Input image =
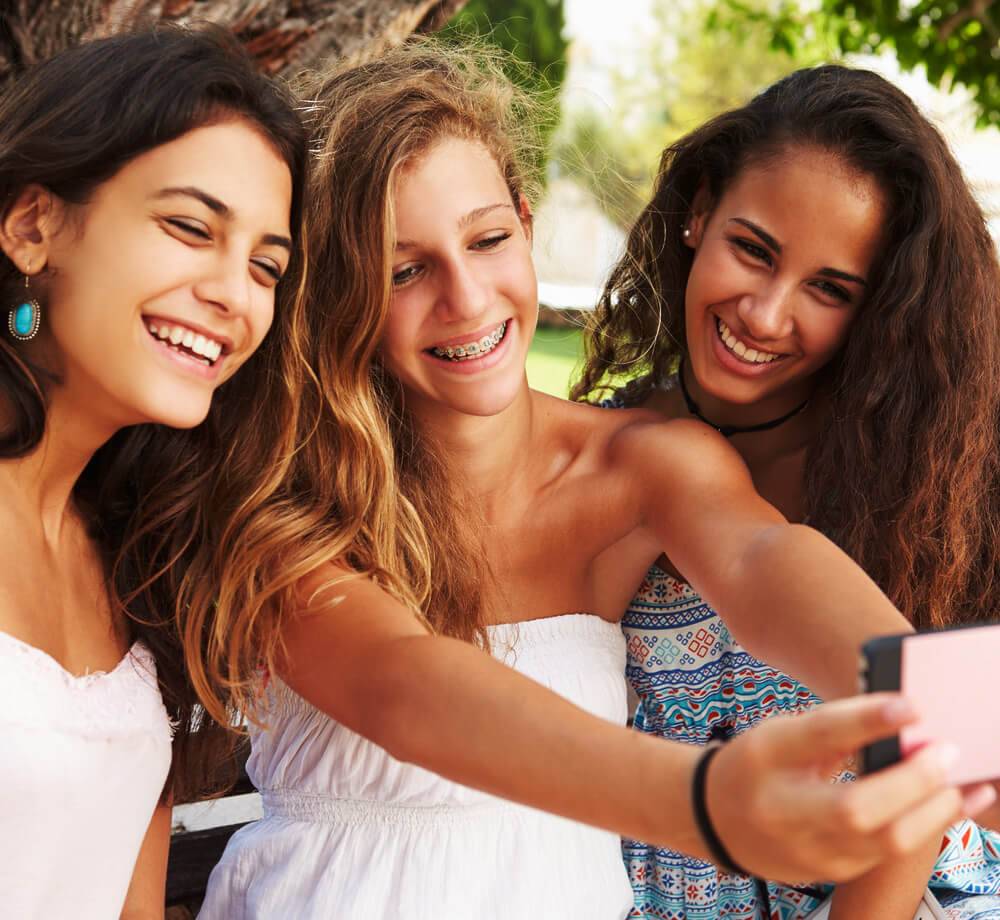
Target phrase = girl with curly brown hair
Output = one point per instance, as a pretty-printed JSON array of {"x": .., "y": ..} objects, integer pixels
[{"x": 814, "y": 279}]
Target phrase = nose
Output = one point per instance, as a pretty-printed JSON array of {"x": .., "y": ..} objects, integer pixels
[
  {"x": 463, "y": 294},
  {"x": 227, "y": 284},
  {"x": 768, "y": 313}
]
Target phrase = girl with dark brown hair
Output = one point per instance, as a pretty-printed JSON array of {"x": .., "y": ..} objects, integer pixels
[
  {"x": 812, "y": 278},
  {"x": 149, "y": 187},
  {"x": 460, "y": 505}
]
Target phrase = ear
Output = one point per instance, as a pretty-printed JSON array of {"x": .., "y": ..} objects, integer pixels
[
  {"x": 701, "y": 209},
  {"x": 525, "y": 216},
  {"x": 28, "y": 227}
]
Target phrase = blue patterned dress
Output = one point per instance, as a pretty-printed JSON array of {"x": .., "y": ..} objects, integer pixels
[{"x": 695, "y": 684}]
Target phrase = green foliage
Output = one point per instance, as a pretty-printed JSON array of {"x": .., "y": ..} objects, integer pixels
[
  {"x": 956, "y": 41},
  {"x": 532, "y": 31},
  {"x": 679, "y": 76}
]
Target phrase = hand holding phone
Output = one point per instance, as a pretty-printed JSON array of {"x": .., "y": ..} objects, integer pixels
[{"x": 952, "y": 678}]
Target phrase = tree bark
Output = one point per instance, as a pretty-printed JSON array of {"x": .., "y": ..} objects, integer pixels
[{"x": 283, "y": 36}]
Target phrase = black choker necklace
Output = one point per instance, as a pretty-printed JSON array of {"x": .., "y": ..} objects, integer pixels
[{"x": 729, "y": 430}]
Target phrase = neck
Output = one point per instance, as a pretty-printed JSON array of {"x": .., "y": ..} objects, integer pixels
[
  {"x": 44, "y": 479},
  {"x": 775, "y": 425},
  {"x": 486, "y": 453}
]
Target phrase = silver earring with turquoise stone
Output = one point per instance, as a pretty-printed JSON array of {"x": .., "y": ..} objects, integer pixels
[{"x": 23, "y": 321}]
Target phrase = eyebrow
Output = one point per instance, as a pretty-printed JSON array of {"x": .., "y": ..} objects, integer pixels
[
  {"x": 220, "y": 208},
  {"x": 470, "y": 218},
  {"x": 770, "y": 241}
]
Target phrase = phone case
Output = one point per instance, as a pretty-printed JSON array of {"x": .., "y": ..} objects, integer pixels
[
  {"x": 949, "y": 676},
  {"x": 880, "y": 670}
]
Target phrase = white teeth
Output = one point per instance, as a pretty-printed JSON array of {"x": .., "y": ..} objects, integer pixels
[
  {"x": 474, "y": 349},
  {"x": 182, "y": 337},
  {"x": 737, "y": 347}
]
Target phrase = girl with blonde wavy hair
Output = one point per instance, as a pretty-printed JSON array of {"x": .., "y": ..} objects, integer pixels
[{"x": 437, "y": 508}]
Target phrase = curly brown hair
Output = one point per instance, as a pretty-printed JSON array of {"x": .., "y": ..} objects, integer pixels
[{"x": 920, "y": 373}]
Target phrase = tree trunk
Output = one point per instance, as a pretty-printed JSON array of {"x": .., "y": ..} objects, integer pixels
[{"x": 284, "y": 36}]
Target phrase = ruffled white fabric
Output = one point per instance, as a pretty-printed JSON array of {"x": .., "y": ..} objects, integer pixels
[
  {"x": 82, "y": 765},
  {"x": 351, "y": 833}
]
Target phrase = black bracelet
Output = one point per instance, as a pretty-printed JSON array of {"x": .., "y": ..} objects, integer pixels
[{"x": 720, "y": 855}]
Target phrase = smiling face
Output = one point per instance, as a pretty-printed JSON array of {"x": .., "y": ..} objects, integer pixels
[
  {"x": 162, "y": 284},
  {"x": 781, "y": 267},
  {"x": 465, "y": 297}
]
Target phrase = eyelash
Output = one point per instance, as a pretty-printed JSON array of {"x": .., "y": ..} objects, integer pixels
[
  {"x": 401, "y": 277},
  {"x": 762, "y": 255},
  {"x": 187, "y": 228},
  {"x": 834, "y": 290},
  {"x": 195, "y": 230},
  {"x": 491, "y": 241},
  {"x": 753, "y": 250}
]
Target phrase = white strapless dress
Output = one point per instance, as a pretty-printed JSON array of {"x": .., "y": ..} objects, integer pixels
[
  {"x": 82, "y": 765},
  {"x": 350, "y": 833}
]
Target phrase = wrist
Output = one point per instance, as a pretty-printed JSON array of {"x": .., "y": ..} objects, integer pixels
[{"x": 707, "y": 828}]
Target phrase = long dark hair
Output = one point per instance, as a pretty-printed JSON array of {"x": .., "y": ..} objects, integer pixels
[
  {"x": 906, "y": 477},
  {"x": 70, "y": 124}
]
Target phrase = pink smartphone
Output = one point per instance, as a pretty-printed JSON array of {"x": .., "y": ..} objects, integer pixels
[{"x": 950, "y": 676}]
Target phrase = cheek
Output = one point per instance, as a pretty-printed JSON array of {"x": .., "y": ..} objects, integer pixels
[
  {"x": 710, "y": 280},
  {"x": 262, "y": 321},
  {"x": 399, "y": 337},
  {"x": 825, "y": 333},
  {"x": 514, "y": 275}
]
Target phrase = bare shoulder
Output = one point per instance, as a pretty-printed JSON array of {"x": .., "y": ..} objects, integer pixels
[
  {"x": 647, "y": 445},
  {"x": 586, "y": 422},
  {"x": 639, "y": 441},
  {"x": 336, "y": 591}
]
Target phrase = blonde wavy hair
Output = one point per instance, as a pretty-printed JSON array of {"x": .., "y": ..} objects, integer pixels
[{"x": 324, "y": 464}]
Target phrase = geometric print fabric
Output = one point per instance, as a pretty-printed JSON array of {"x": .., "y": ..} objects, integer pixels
[{"x": 696, "y": 684}]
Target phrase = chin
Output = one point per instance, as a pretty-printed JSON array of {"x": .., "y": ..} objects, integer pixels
[
  {"x": 177, "y": 415},
  {"x": 485, "y": 407}
]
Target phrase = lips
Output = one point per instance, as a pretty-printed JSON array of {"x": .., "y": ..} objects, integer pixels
[
  {"x": 183, "y": 339},
  {"x": 472, "y": 349},
  {"x": 740, "y": 350}
]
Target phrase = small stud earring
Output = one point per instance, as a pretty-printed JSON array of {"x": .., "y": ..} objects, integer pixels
[
  {"x": 23, "y": 321},
  {"x": 687, "y": 233}
]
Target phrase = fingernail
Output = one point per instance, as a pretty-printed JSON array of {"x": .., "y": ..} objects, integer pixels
[
  {"x": 979, "y": 799},
  {"x": 944, "y": 756},
  {"x": 898, "y": 709}
]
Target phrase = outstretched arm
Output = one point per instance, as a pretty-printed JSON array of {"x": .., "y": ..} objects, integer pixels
[
  {"x": 788, "y": 594},
  {"x": 364, "y": 659}
]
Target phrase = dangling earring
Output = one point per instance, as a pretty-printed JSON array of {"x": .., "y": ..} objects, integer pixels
[{"x": 23, "y": 321}]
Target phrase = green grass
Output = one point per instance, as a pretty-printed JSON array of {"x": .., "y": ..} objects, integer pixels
[{"x": 552, "y": 359}]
